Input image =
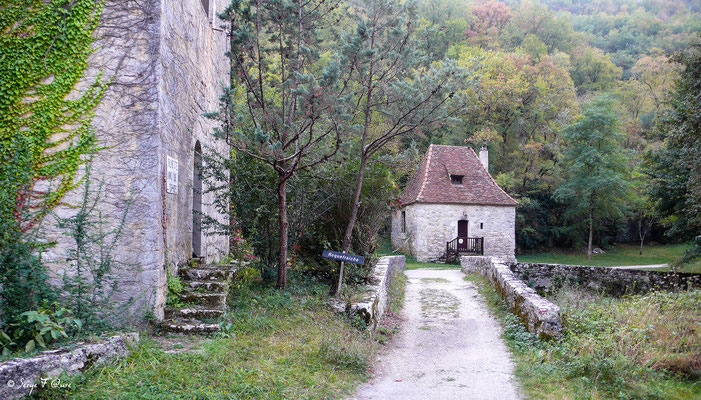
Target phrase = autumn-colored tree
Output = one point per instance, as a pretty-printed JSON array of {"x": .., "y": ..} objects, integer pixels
[{"x": 489, "y": 18}]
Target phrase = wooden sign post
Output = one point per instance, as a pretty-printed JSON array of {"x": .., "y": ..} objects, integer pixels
[{"x": 342, "y": 257}]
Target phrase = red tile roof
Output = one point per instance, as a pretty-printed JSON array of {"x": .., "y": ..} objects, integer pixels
[{"x": 431, "y": 182}]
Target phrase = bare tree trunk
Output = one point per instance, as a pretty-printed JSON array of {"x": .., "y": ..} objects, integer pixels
[
  {"x": 283, "y": 225},
  {"x": 353, "y": 216},
  {"x": 591, "y": 230},
  {"x": 641, "y": 235},
  {"x": 361, "y": 171}
]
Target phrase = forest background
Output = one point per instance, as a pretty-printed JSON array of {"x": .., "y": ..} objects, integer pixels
[{"x": 588, "y": 111}]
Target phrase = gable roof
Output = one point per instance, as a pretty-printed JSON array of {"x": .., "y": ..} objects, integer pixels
[{"x": 431, "y": 181}]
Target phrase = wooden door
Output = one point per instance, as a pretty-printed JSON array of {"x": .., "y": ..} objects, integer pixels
[{"x": 462, "y": 235}]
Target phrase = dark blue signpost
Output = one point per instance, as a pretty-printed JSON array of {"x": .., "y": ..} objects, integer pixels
[
  {"x": 337, "y": 255},
  {"x": 342, "y": 257}
]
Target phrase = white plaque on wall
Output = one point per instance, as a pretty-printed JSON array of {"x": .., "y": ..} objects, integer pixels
[{"x": 171, "y": 175}]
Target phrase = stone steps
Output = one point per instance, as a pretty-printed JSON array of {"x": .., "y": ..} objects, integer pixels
[
  {"x": 193, "y": 327},
  {"x": 200, "y": 274},
  {"x": 205, "y": 292},
  {"x": 208, "y": 286},
  {"x": 196, "y": 312}
]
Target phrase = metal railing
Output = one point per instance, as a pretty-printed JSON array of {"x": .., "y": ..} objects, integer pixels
[{"x": 463, "y": 245}]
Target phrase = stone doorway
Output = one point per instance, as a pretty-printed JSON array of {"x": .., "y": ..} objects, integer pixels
[{"x": 197, "y": 202}]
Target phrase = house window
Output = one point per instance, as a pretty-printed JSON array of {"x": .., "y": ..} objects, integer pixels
[
  {"x": 205, "y": 4},
  {"x": 481, "y": 225},
  {"x": 403, "y": 221},
  {"x": 456, "y": 179}
]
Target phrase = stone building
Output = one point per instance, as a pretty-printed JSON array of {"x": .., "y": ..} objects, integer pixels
[
  {"x": 452, "y": 206},
  {"x": 166, "y": 65}
]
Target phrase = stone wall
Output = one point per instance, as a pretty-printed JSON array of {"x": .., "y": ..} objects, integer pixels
[
  {"x": 612, "y": 281},
  {"x": 541, "y": 316},
  {"x": 17, "y": 376},
  {"x": 165, "y": 64},
  {"x": 193, "y": 69},
  {"x": 374, "y": 303},
  {"x": 430, "y": 226}
]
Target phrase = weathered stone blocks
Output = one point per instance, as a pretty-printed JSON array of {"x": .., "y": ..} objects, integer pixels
[
  {"x": 17, "y": 376},
  {"x": 430, "y": 226},
  {"x": 541, "y": 316},
  {"x": 612, "y": 281},
  {"x": 374, "y": 303}
]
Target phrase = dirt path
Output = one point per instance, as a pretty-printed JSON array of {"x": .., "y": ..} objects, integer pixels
[{"x": 449, "y": 346}]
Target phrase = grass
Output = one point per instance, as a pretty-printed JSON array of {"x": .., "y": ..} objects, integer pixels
[
  {"x": 641, "y": 347},
  {"x": 281, "y": 344},
  {"x": 411, "y": 263},
  {"x": 621, "y": 254}
]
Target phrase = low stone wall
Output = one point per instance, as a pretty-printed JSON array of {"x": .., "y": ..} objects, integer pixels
[
  {"x": 22, "y": 376},
  {"x": 374, "y": 302},
  {"x": 540, "y": 315},
  {"x": 612, "y": 281}
]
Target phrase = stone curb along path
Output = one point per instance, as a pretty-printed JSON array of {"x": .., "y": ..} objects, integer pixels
[
  {"x": 18, "y": 375},
  {"x": 449, "y": 346}
]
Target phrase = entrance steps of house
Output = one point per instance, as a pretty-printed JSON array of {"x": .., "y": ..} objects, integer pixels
[{"x": 205, "y": 291}]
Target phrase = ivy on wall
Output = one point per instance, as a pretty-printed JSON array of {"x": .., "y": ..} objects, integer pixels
[
  {"x": 45, "y": 117},
  {"x": 46, "y": 110}
]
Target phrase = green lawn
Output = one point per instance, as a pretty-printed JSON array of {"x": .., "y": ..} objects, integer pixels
[
  {"x": 621, "y": 254},
  {"x": 279, "y": 345}
]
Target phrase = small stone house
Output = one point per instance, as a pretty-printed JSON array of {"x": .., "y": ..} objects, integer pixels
[{"x": 452, "y": 206}]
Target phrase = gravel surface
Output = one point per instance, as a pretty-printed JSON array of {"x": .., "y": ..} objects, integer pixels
[
  {"x": 448, "y": 348},
  {"x": 653, "y": 266}
]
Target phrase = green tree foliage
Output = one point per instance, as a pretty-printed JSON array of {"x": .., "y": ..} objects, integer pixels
[
  {"x": 595, "y": 182},
  {"x": 45, "y": 134},
  {"x": 534, "y": 19},
  {"x": 397, "y": 89},
  {"x": 290, "y": 112},
  {"x": 593, "y": 71},
  {"x": 675, "y": 168}
]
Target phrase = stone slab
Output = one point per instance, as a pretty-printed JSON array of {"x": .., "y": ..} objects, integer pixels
[{"x": 19, "y": 375}]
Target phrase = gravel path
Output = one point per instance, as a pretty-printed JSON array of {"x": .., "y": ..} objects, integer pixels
[
  {"x": 653, "y": 266},
  {"x": 449, "y": 346}
]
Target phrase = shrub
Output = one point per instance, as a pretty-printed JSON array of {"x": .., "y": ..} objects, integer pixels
[{"x": 39, "y": 327}]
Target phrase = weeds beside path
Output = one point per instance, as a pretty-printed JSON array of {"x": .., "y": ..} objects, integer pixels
[{"x": 641, "y": 347}]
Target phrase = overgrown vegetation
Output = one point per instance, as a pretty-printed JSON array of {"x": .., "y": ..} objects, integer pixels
[
  {"x": 90, "y": 281},
  {"x": 278, "y": 344},
  {"x": 45, "y": 138},
  {"x": 641, "y": 347}
]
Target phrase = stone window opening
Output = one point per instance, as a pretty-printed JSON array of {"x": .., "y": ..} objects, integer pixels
[
  {"x": 205, "y": 4},
  {"x": 456, "y": 179},
  {"x": 481, "y": 225},
  {"x": 403, "y": 221}
]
